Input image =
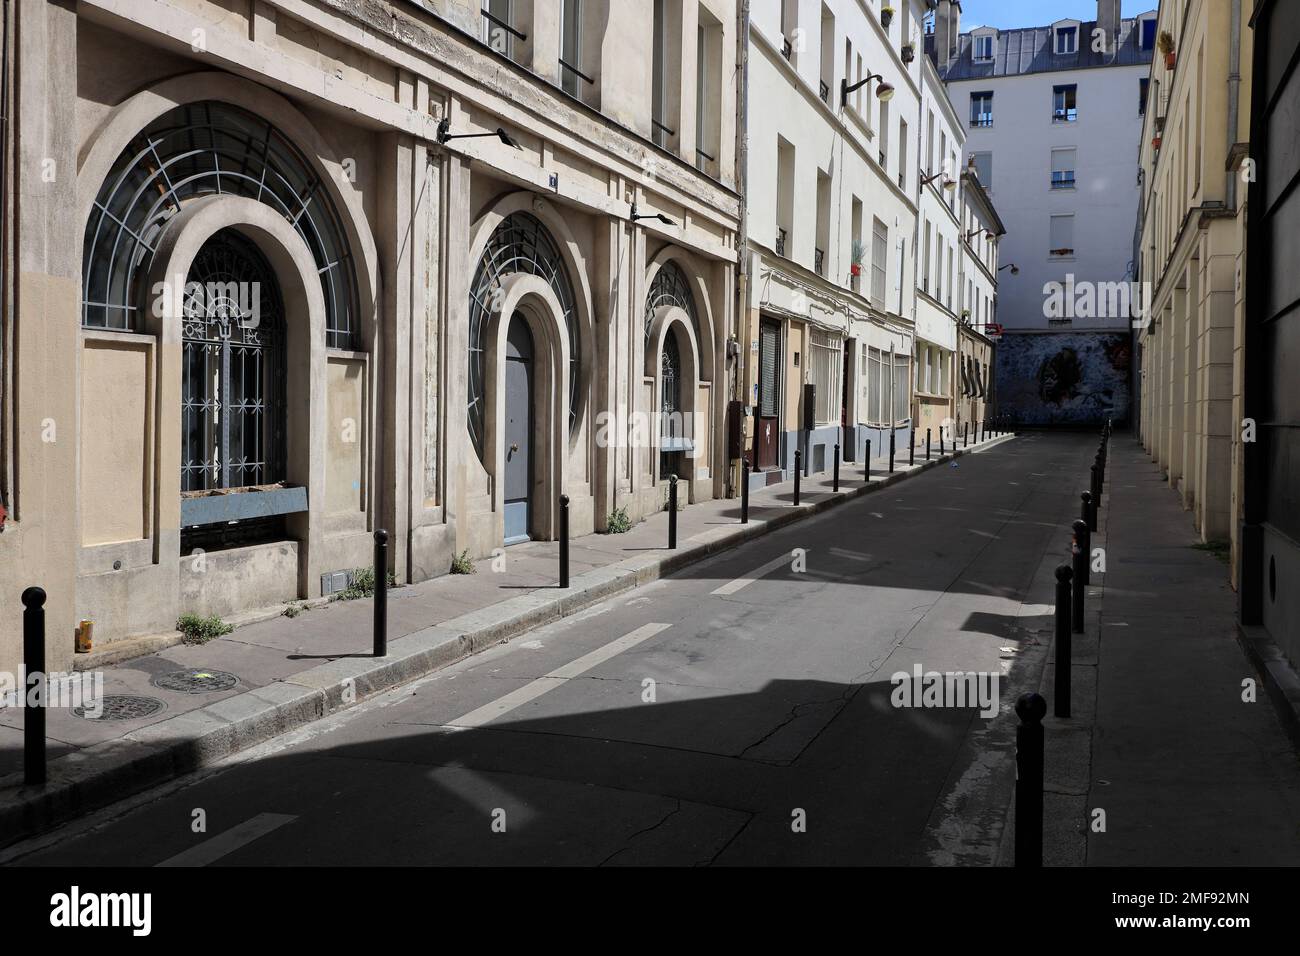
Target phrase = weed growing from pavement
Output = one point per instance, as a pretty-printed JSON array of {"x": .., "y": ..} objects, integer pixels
[
  {"x": 362, "y": 585},
  {"x": 461, "y": 564},
  {"x": 618, "y": 522},
  {"x": 199, "y": 630},
  {"x": 1220, "y": 549}
]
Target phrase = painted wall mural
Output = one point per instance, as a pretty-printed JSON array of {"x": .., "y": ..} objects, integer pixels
[{"x": 1064, "y": 378}]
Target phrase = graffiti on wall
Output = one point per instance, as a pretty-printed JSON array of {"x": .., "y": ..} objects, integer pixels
[{"x": 1064, "y": 378}]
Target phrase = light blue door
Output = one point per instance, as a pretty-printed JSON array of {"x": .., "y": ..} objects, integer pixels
[{"x": 518, "y": 431}]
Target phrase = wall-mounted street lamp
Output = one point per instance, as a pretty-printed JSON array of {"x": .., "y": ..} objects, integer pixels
[
  {"x": 884, "y": 92},
  {"x": 445, "y": 134},
  {"x": 638, "y": 216},
  {"x": 947, "y": 183},
  {"x": 1015, "y": 269},
  {"x": 976, "y": 232}
]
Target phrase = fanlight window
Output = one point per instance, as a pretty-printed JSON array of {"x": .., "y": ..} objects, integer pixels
[
  {"x": 519, "y": 243},
  {"x": 200, "y": 149},
  {"x": 669, "y": 287}
]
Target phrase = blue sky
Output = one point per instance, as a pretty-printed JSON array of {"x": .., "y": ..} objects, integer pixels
[{"x": 1005, "y": 14}]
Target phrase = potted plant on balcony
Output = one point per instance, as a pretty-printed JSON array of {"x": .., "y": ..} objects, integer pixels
[
  {"x": 859, "y": 252},
  {"x": 886, "y": 16},
  {"x": 1166, "y": 45},
  {"x": 909, "y": 52},
  {"x": 1155, "y": 141}
]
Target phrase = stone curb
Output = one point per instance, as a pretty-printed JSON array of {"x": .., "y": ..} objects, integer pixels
[
  {"x": 1280, "y": 677},
  {"x": 102, "y": 774}
]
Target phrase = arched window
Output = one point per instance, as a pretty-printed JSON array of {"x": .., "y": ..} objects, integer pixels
[
  {"x": 199, "y": 149},
  {"x": 669, "y": 287},
  {"x": 670, "y": 405},
  {"x": 519, "y": 243},
  {"x": 232, "y": 369}
]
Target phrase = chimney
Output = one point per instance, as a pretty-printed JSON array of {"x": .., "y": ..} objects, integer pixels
[
  {"x": 947, "y": 31},
  {"x": 1108, "y": 20}
]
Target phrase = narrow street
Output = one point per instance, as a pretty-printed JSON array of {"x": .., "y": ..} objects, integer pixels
[{"x": 736, "y": 713}]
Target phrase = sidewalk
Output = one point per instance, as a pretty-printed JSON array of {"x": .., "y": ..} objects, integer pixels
[
  {"x": 278, "y": 673},
  {"x": 1186, "y": 772}
]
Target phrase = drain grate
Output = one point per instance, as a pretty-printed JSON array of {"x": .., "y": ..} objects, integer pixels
[
  {"x": 123, "y": 707},
  {"x": 195, "y": 681}
]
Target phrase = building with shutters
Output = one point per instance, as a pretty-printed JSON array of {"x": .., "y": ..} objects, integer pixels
[
  {"x": 830, "y": 182},
  {"x": 1052, "y": 116},
  {"x": 286, "y": 272},
  {"x": 939, "y": 259},
  {"x": 981, "y": 237}
]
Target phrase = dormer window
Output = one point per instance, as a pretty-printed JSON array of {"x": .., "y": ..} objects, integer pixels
[
  {"x": 1067, "y": 40},
  {"x": 983, "y": 48},
  {"x": 1147, "y": 40}
]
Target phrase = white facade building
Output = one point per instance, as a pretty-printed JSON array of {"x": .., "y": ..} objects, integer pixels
[
  {"x": 830, "y": 185},
  {"x": 938, "y": 257},
  {"x": 1053, "y": 126}
]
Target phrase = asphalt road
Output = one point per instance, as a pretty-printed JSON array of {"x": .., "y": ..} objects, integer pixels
[{"x": 736, "y": 713}]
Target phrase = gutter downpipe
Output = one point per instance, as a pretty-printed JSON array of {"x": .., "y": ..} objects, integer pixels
[
  {"x": 1234, "y": 99},
  {"x": 734, "y": 470}
]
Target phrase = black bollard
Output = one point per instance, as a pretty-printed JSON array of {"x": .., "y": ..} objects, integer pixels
[
  {"x": 381, "y": 593},
  {"x": 965, "y": 435},
  {"x": 798, "y": 467},
  {"x": 1079, "y": 576},
  {"x": 36, "y": 686},
  {"x": 1088, "y": 513},
  {"x": 911, "y": 453},
  {"x": 1031, "y": 709},
  {"x": 1064, "y": 603},
  {"x": 835, "y": 480},
  {"x": 1083, "y": 541},
  {"x": 892, "y": 433},
  {"x": 564, "y": 541},
  {"x": 1095, "y": 487},
  {"x": 981, "y": 433},
  {"x": 927, "y": 444},
  {"x": 744, "y": 491},
  {"x": 941, "y": 452},
  {"x": 672, "y": 512},
  {"x": 866, "y": 468}
]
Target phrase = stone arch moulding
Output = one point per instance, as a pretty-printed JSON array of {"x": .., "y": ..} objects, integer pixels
[
  {"x": 703, "y": 305},
  {"x": 673, "y": 320},
  {"x": 534, "y": 299},
  {"x": 305, "y": 424},
  {"x": 574, "y": 263},
  {"x": 135, "y": 113}
]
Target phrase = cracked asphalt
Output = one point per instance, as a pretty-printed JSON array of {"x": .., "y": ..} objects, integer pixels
[{"x": 755, "y": 728}]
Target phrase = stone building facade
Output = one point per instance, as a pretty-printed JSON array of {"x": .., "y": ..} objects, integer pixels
[{"x": 263, "y": 299}]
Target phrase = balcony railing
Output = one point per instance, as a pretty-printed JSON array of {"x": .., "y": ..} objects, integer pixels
[
  {"x": 1065, "y": 115},
  {"x": 819, "y": 262},
  {"x": 981, "y": 119},
  {"x": 569, "y": 67},
  {"x": 781, "y": 235},
  {"x": 1063, "y": 180},
  {"x": 505, "y": 26},
  {"x": 824, "y": 92},
  {"x": 786, "y": 49},
  {"x": 661, "y": 132}
]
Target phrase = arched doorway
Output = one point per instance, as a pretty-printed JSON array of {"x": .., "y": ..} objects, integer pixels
[
  {"x": 672, "y": 434},
  {"x": 518, "y": 431},
  {"x": 232, "y": 369}
]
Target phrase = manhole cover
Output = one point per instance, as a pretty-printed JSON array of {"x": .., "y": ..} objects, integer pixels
[
  {"x": 195, "y": 681},
  {"x": 122, "y": 707}
]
